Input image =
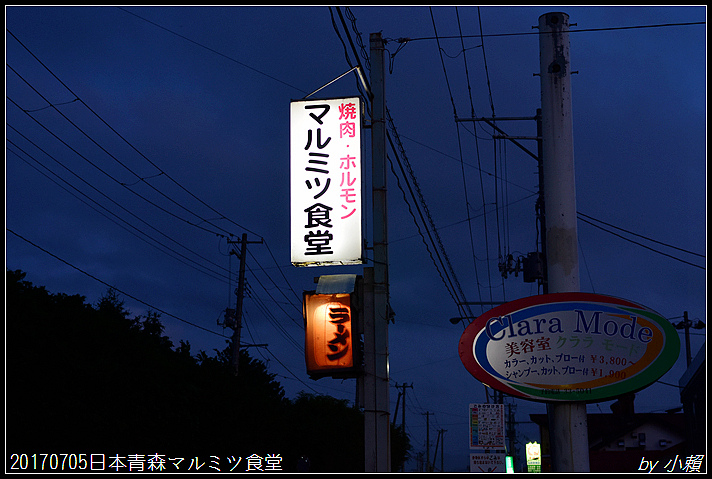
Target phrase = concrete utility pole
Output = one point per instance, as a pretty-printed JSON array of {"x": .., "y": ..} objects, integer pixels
[
  {"x": 377, "y": 440},
  {"x": 240, "y": 293},
  {"x": 568, "y": 427}
]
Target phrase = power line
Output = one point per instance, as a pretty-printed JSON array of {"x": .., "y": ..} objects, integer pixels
[
  {"x": 108, "y": 175},
  {"x": 641, "y": 236},
  {"x": 461, "y": 160},
  {"x": 211, "y": 50},
  {"x": 162, "y": 172},
  {"x": 152, "y": 307},
  {"x": 128, "y": 225},
  {"x": 498, "y": 176},
  {"x": 298, "y": 309},
  {"x": 464, "y": 162},
  {"x": 430, "y": 228},
  {"x": 632, "y": 27},
  {"x": 401, "y": 159},
  {"x": 265, "y": 309},
  {"x": 113, "y": 287},
  {"x": 101, "y": 193},
  {"x": 469, "y": 218},
  {"x": 454, "y": 108},
  {"x": 170, "y": 249},
  {"x": 121, "y": 183},
  {"x": 484, "y": 58},
  {"x": 640, "y": 244}
]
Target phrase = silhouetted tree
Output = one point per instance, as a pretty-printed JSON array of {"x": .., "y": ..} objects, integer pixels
[
  {"x": 330, "y": 433},
  {"x": 83, "y": 378},
  {"x": 400, "y": 448}
]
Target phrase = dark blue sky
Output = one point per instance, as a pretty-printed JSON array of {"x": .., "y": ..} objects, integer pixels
[{"x": 200, "y": 98}]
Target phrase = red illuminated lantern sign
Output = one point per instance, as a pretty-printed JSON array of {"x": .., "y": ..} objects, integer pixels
[{"x": 332, "y": 336}]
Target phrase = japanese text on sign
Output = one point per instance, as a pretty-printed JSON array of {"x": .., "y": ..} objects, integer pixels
[
  {"x": 486, "y": 426},
  {"x": 541, "y": 351},
  {"x": 487, "y": 462},
  {"x": 325, "y": 181},
  {"x": 329, "y": 333}
]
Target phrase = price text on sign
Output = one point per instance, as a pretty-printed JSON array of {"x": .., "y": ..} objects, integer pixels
[
  {"x": 569, "y": 347},
  {"x": 487, "y": 426}
]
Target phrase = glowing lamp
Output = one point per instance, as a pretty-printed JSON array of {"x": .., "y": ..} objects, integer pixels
[{"x": 332, "y": 339}]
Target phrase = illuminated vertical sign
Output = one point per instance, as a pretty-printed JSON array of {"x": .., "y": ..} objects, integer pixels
[
  {"x": 325, "y": 182},
  {"x": 329, "y": 334},
  {"x": 533, "y": 450}
]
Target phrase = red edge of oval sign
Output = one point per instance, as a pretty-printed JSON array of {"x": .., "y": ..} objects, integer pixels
[{"x": 603, "y": 347}]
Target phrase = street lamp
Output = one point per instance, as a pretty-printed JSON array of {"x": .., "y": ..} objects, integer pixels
[{"x": 457, "y": 320}]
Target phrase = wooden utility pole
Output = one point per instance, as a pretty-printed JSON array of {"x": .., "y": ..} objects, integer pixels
[
  {"x": 441, "y": 440},
  {"x": 236, "y": 324},
  {"x": 427, "y": 441},
  {"x": 403, "y": 386},
  {"x": 568, "y": 427}
]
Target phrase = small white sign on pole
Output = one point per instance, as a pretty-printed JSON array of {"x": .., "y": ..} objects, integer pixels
[
  {"x": 325, "y": 182},
  {"x": 487, "y": 462}
]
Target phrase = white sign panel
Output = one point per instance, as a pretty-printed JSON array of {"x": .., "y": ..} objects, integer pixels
[
  {"x": 487, "y": 426},
  {"x": 325, "y": 182},
  {"x": 487, "y": 462},
  {"x": 533, "y": 450}
]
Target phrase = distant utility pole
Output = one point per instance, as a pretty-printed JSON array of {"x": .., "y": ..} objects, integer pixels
[
  {"x": 403, "y": 386},
  {"x": 236, "y": 324},
  {"x": 568, "y": 427},
  {"x": 440, "y": 441},
  {"x": 686, "y": 324},
  {"x": 395, "y": 414},
  {"x": 427, "y": 441},
  {"x": 511, "y": 431},
  {"x": 442, "y": 449}
]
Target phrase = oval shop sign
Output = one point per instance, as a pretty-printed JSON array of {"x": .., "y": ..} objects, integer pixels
[{"x": 569, "y": 347}]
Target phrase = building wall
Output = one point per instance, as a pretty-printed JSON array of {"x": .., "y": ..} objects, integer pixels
[{"x": 648, "y": 437}]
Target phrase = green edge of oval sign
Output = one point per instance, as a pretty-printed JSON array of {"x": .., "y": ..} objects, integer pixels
[{"x": 569, "y": 347}]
